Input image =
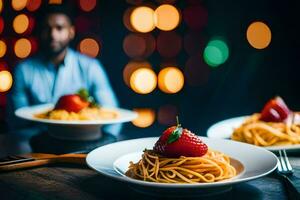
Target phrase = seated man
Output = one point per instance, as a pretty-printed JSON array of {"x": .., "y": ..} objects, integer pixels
[{"x": 58, "y": 70}]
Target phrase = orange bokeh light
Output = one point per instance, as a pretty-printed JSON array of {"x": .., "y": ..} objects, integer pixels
[
  {"x": 133, "y": 66},
  {"x": 166, "y": 17},
  {"x": 146, "y": 117},
  {"x": 87, "y": 5},
  {"x": 143, "y": 81},
  {"x": 259, "y": 35},
  {"x": 21, "y": 23},
  {"x": 18, "y": 4},
  {"x": 3, "y": 48},
  {"x": 142, "y": 19},
  {"x": 22, "y": 48},
  {"x": 170, "y": 80},
  {"x": 1, "y": 5},
  {"x": 55, "y": 1},
  {"x": 89, "y": 46},
  {"x": 5, "y": 80}
]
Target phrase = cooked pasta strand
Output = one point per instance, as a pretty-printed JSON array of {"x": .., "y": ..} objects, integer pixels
[
  {"x": 262, "y": 133},
  {"x": 212, "y": 167}
]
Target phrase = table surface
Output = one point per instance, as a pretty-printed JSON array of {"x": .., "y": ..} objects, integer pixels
[{"x": 80, "y": 182}]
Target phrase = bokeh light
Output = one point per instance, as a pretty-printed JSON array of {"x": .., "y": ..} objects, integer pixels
[
  {"x": 3, "y": 48},
  {"x": 21, "y": 23},
  {"x": 33, "y": 5},
  {"x": 170, "y": 80},
  {"x": 134, "y": 45},
  {"x": 166, "y": 17},
  {"x": 3, "y": 66},
  {"x": 196, "y": 71},
  {"x": 89, "y": 46},
  {"x": 169, "y": 44},
  {"x": 146, "y": 117},
  {"x": 259, "y": 35},
  {"x": 22, "y": 48},
  {"x": 1, "y": 24},
  {"x": 34, "y": 44},
  {"x": 139, "y": 45},
  {"x": 87, "y": 5},
  {"x": 126, "y": 18},
  {"x": 143, "y": 81},
  {"x": 18, "y": 4},
  {"x": 167, "y": 115},
  {"x": 131, "y": 67},
  {"x": 142, "y": 19},
  {"x": 216, "y": 53},
  {"x": 55, "y": 1},
  {"x": 150, "y": 44},
  {"x": 5, "y": 80},
  {"x": 1, "y": 5},
  {"x": 193, "y": 43},
  {"x": 196, "y": 17}
]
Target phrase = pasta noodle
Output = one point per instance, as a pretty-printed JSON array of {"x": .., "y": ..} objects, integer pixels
[
  {"x": 260, "y": 133},
  {"x": 213, "y": 166},
  {"x": 84, "y": 114}
]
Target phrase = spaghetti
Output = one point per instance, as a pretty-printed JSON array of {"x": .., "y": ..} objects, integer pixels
[
  {"x": 260, "y": 133},
  {"x": 84, "y": 114},
  {"x": 212, "y": 167}
]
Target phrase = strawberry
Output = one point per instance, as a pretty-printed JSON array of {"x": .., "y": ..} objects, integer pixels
[
  {"x": 176, "y": 142},
  {"x": 275, "y": 110},
  {"x": 71, "y": 103}
]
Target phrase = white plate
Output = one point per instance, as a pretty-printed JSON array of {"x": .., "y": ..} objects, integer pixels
[
  {"x": 224, "y": 129},
  {"x": 73, "y": 129},
  {"x": 29, "y": 112},
  {"x": 113, "y": 159}
]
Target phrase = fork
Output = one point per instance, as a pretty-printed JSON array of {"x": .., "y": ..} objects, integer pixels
[{"x": 285, "y": 170}]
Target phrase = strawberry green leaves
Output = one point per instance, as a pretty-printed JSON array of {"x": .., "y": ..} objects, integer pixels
[{"x": 175, "y": 135}]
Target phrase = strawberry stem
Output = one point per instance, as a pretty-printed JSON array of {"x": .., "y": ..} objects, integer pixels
[
  {"x": 175, "y": 135},
  {"x": 177, "y": 121}
]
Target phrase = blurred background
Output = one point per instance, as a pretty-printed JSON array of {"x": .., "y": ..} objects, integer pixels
[{"x": 204, "y": 61}]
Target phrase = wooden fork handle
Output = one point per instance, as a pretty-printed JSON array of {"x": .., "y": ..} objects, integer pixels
[
  {"x": 24, "y": 165},
  {"x": 71, "y": 158}
]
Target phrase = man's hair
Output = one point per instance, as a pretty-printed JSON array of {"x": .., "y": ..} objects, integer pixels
[{"x": 48, "y": 9}]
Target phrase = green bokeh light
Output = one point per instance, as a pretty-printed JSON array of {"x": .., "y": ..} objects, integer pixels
[{"x": 216, "y": 53}]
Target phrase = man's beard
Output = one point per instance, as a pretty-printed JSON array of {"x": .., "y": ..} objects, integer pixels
[{"x": 49, "y": 51}]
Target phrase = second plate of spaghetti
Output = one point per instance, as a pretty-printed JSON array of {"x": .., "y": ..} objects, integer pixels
[
  {"x": 240, "y": 125},
  {"x": 113, "y": 160}
]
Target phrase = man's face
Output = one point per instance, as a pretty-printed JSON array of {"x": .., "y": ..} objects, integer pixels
[{"x": 58, "y": 33}]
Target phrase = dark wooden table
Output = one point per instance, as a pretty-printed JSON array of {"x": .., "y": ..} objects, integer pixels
[{"x": 80, "y": 182}]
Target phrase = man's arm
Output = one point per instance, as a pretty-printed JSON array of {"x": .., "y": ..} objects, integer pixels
[
  {"x": 103, "y": 93},
  {"x": 17, "y": 98}
]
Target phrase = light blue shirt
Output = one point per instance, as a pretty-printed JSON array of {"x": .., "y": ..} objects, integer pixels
[{"x": 37, "y": 81}]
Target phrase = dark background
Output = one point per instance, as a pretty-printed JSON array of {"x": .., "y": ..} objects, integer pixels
[{"x": 240, "y": 86}]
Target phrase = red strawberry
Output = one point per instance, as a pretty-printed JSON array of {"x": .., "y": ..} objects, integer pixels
[
  {"x": 71, "y": 103},
  {"x": 275, "y": 110},
  {"x": 176, "y": 142}
]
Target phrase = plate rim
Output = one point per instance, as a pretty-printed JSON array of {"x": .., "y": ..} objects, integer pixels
[
  {"x": 270, "y": 148},
  {"x": 233, "y": 181},
  {"x": 43, "y": 107}
]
